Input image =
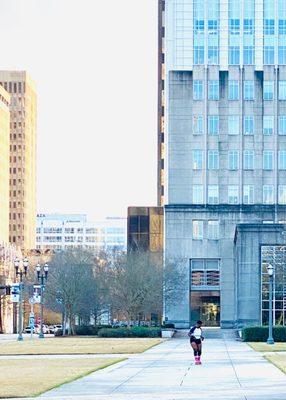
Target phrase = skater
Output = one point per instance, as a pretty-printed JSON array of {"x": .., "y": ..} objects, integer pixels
[{"x": 196, "y": 339}]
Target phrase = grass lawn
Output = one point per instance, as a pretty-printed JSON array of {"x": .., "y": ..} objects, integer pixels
[
  {"x": 264, "y": 347},
  {"x": 279, "y": 360},
  {"x": 79, "y": 345},
  {"x": 24, "y": 378}
]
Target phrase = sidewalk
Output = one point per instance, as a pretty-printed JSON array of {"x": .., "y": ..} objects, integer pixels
[{"x": 230, "y": 370}]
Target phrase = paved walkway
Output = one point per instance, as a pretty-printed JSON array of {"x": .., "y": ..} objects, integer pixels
[{"x": 230, "y": 370}]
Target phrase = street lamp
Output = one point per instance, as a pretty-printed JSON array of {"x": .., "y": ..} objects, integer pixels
[
  {"x": 20, "y": 271},
  {"x": 270, "y": 271},
  {"x": 42, "y": 276}
]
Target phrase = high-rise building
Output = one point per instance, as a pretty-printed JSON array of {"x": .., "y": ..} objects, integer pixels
[
  {"x": 4, "y": 164},
  {"x": 225, "y": 165},
  {"x": 23, "y": 114}
]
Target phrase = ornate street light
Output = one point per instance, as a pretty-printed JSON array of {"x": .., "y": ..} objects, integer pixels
[
  {"x": 42, "y": 276},
  {"x": 270, "y": 271},
  {"x": 21, "y": 269}
]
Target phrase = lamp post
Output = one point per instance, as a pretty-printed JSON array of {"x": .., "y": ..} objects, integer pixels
[
  {"x": 42, "y": 276},
  {"x": 20, "y": 271},
  {"x": 270, "y": 271}
]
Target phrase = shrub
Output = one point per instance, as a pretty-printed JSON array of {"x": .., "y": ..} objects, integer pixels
[
  {"x": 59, "y": 332},
  {"x": 260, "y": 334},
  {"x": 137, "y": 331},
  {"x": 86, "y": 330},
  {"x": 168, "y": 326}
]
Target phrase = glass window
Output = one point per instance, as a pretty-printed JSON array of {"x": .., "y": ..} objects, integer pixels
[
  {"x": 248, "y": 55},
  {"x": 249, "y": 125},
  {"x": 213, "y": 92},
  {"x": 282, "y": 26},
  {"x": 213, "y": 55},
  {"x": 213, "y": 159},
  {"x": 248, "y": 194},
  {"x": 233, "y": 196},
  {"x": 233, "y": 90},
  {"x": 282, "y": 159},
  {"x": 282, "y": 194},
  {"x": 233, "y": 55},
  {"x": 213, "y": 230},
  {"x": 268, "y": 124},
  {"x": 233, "y": 124},
  {"x": 234, "y": 26},
  {"x": 198, "y": 230},
  {"x": 268, "y": 194},
  {"x": 282, "y": 125},
  {"x": 248, "y": 159},
  {"x": 282, "y": 90},
  {"x": 213, "y": 124},
  {"x": 198, "y": 55},
  {"x": 213, "y": 194},
  {"x": 282, "y": 55},
  {"x": 248, "y": 92},
  {"x": 197, "y": 159},
  {"x": 267, "y": 159},
  {"x": 269, "y": 26},
  {"x": 198, "y": 195},
  {"x": 198, "y": 124},
  {"x": 198, "y": 91},
  {"x": 268, "y": 90},
  {"x": 233, "y": 160},
  {"x": 248, "y": 26},
  {"x": 199, "y": 25}
]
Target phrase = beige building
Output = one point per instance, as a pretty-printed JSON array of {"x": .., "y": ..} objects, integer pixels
[
  {"x": 4, "y": 164},
  {"x": 23, "y": 115}
]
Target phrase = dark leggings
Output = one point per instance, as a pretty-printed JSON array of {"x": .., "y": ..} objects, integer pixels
[{"x": 197, "y": 347}]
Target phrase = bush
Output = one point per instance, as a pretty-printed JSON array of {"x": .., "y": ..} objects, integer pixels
[
  {"x": 86, "y": 330},
  {"x": 260, "y": 334},
  {"x": 59, "y": 332},
  {"x": 137, "y": 331},
  {"x": 168, "y": 326}
]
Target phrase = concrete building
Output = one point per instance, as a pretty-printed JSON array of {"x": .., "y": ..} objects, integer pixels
[
  {"x": 62, "y": 231},
  {"x": 225, "y": 165},
  {"x": 4, "y": 164},
  {"x": 23, "y": 114}
]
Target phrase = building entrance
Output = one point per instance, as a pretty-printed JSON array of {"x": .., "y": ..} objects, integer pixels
[{"x": 205, "y": 305}]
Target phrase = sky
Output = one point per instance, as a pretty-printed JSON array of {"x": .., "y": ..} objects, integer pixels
[{"x": 95, "y": 66}]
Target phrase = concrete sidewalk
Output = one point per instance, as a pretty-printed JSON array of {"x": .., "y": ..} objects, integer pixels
[{"x": 230, "y": 370}]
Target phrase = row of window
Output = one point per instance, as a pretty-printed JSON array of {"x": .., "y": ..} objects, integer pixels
[
  {"x": 248, "y": 195},
  {"x": 233, "y": 124},
  {"x": 14, "y": 87},
  {"x": 213, "y": 162},
  {"x": 81, "y": 230},
  {"x": 234, "y": 91},
  {"x": 205, "y": 273},
  {"x": 89, "y": 239}
]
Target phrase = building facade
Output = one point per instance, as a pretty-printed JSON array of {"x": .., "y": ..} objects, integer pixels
[
  {"x": 225, "y": 138},
  {"x": 63, "y": 231},
  {"x": 23, "y": 114},
  {"x": 4, "y": 164}
]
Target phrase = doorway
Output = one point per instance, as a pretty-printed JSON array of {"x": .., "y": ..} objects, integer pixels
[{"x": 205, "y": 306}]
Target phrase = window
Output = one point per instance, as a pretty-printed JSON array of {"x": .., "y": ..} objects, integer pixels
[
  {"x": 198, "y": 124},
  {"x": 197, "y": 159},
  {"x": 268, "y": 194},
  {"x": 233, "y": 55},
  {"x": 199, "y": 25},
  {"x": 205, "y": 273},
  {"x": 234, "y": 26},
  {"x": 248, "y": 194},
  {"x": 213, "y": 55},
  {"x": 233, "y": 162},
  {"x": 282, "y": 194},
  {"x": 268, "y": 124},
  {"x": 282, "y": 26},
  {"x": 248, "y": 55},
  {"x": 269, "y": 55},
  {"x": 233, "y": 90},
  {"x": 268, "y": 90},
  {"x": 249, "y": 125},
  {"x": 282, "y": 55},
  {"x": 198, "y": 90},
  {"x": 213, "y": 124},
  {"x": 282, "y": 159},
  {"x": 248, "y": 159},
  {"x": 198, "y": 197},
  {"x": 267, "y": 159},
  {"x": 282, "y": 90},
  {"x": 213, "y": 229},
  {"x": 198, "y": 230},
  {"x": 198, "y": 55},
  {"x": 213, "y": 92},
  {"x": 213, "y": 159},
  {"x": 213, "y": 194},
  {"x": 248, "y": 92},
  {"x": 248, "y": 26},
  {"x": 233, "y": 194},
  {"x": 233, "y": 124},
  {"x": 269, "y": 27}
]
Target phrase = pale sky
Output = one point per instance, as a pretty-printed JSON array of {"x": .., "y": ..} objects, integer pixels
[{"x": 95, "y": 66}]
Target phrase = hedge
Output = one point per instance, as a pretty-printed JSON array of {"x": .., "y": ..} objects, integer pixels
[
  {"x": 137, "y": 331},
  {"x": 168, "y": 326},
  {"x": 260, "y": 334}
]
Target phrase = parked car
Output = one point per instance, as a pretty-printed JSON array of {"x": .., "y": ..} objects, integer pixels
[
  {"x": 51, "y": 328},
  {"x": 27, "y": 329},
  {"x": 57, "y": 327}
]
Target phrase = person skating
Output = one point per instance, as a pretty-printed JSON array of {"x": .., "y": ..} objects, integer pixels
[{"x": 196, "y": 337}]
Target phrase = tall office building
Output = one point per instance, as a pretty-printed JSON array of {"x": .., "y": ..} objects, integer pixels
[
  {"x": 4, "y": 164},
  {"x": 225, "y": 138},
  {"x": 23, "y": 114}
]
